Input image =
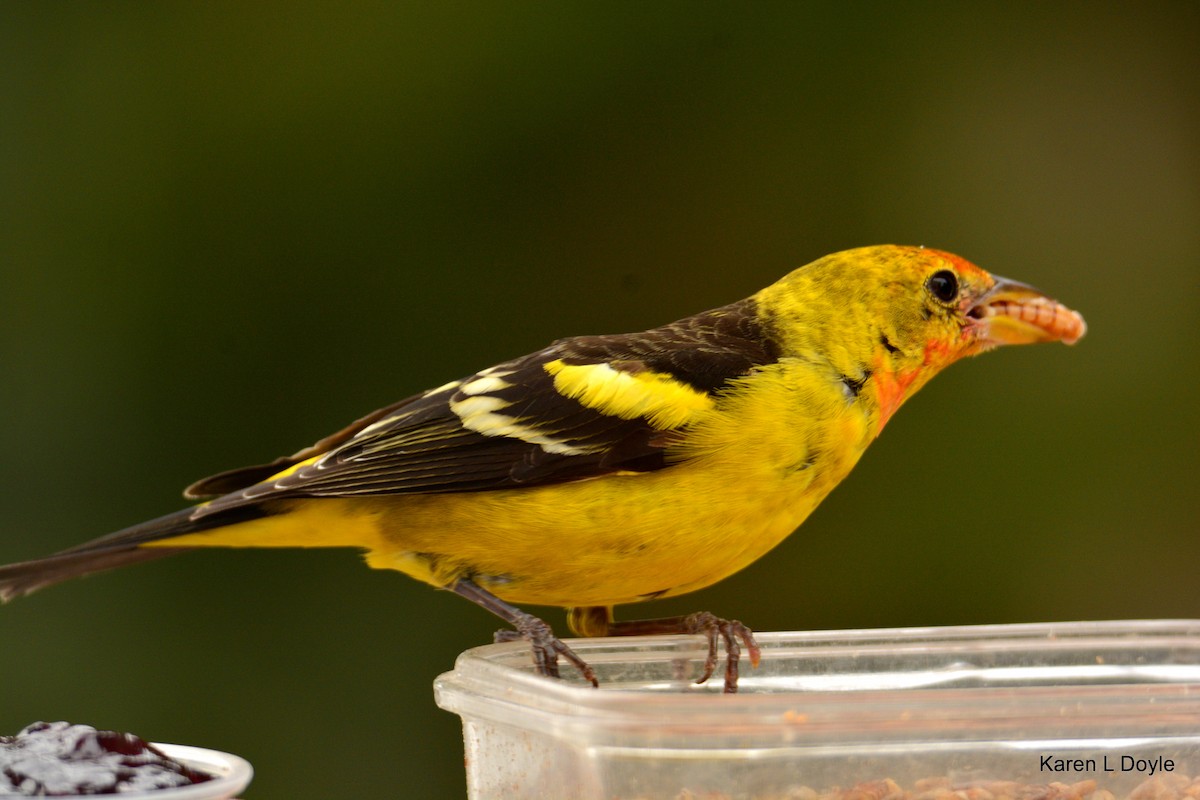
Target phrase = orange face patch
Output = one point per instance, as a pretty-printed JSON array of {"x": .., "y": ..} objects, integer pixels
[{"x": 891, "y": 389}]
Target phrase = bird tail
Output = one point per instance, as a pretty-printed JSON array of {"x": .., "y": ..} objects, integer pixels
[{"x": 114, "y": 550}]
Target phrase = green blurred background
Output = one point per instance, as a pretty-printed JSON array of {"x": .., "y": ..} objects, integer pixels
[{"x": 230, "y": 228}]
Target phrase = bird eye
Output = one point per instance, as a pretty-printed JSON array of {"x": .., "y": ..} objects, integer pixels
[{"x": 943, "y": 284}]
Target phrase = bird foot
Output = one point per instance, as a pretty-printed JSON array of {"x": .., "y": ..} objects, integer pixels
[
  {"x": 598, "y": 621},
  {"x": 730, "y": 631},
  {"x": 546, "y": 647}
]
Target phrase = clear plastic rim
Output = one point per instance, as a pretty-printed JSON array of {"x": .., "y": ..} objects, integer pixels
[{"x": 495, "y": 683}]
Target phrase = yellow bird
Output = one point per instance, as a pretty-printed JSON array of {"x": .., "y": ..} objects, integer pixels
[{"x": 605, "y": 470}]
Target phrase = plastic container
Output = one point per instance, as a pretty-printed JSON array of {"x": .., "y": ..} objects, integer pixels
[{"x": 1023, "y": 712}]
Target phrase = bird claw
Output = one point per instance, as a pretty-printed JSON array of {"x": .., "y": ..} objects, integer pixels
[
  {"x": 546, "y": 648},
  {"x": 598, "y": 621},
  {"x": 730, "y": 631},
  {"x": 545, "y": 645}
]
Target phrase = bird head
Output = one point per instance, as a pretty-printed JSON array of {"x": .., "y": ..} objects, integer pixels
[{"x": 893, "y": 316}]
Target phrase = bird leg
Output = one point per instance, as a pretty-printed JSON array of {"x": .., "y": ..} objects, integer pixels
[
  {"x": 545, "y": 645},
  {"x": 598, "y": 621}
]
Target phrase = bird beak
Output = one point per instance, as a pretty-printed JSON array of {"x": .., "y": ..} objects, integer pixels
[{"x": 1013, "y": 313}]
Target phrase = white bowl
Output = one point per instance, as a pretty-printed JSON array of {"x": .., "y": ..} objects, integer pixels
[{"x": 231, "y": 774}]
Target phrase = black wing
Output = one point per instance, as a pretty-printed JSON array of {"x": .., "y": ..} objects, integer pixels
[{"x": 583, "y": 407}]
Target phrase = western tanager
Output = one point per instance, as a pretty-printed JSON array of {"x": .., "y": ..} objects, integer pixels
[{"x": 605, "y": 470}]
